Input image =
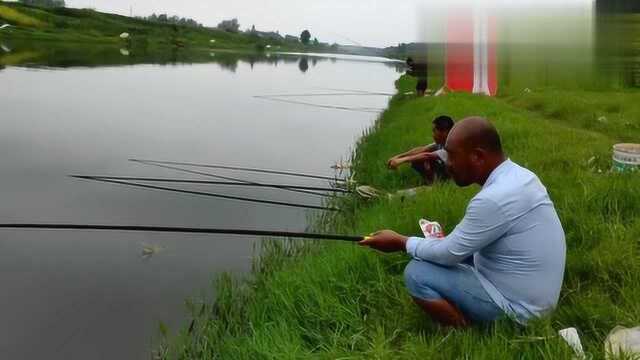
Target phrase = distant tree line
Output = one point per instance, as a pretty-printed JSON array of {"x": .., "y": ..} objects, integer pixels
[
  {"x": 44, "y": 3},
  {"x": 403, "y": 50},
  {"x": 232, "y": 26},
  {"x": 175, "y": 20},
  {"x": 305, "y": 36}
]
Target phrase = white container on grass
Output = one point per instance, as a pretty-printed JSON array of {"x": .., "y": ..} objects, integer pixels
[{"x": 626, "y": 157}]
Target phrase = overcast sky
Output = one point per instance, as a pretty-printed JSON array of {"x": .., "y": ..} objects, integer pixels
[{"x": 366, "y": 22}]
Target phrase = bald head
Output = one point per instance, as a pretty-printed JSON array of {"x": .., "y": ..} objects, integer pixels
[
  {"x": 476, "y": 133},
  {"x": 474, "y": 151}
]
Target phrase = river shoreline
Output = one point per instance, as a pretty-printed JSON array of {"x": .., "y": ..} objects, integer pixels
[
  {"x": 90, "y": 27},
  {"x": 313, "y": 300}
]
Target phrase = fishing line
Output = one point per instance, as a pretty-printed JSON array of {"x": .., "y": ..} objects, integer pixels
[
  {"x": 334, "y": 107},
  {"x": 356, "y": 91},
  {"x": 187, "y": 230},
  {"x": 160, "y": 164},
  {"x": 222, "y": 196},
  {"x": 227, "y": 167},
  {"x": 325, "y": 94},
  {"x": 207, "y": 182}
]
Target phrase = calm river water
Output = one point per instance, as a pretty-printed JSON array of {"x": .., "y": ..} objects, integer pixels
[{"x": 82, "y": 294}]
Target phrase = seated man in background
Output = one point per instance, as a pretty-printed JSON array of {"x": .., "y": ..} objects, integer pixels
[
  {"x": 510, "y": 227},
  {"x": 419, "y": 70},
  {"x": 429, "y": 161}
]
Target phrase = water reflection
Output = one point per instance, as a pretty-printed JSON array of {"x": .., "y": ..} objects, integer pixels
[
  {"x": 64, "y": 56},
  {"x": 303, "y": 64}
]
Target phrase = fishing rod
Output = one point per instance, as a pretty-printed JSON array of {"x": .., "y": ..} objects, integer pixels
[
  {"x": 187, "y": 230},
  {"x": 222, "y": 196},
  {"x": 207, "y": 182},
  {"x": 161, "y": 164},
  {"x": 278, "y": 172}
]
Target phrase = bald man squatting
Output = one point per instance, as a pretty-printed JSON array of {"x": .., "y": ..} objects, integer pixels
[{"x": 510, "y": 227}]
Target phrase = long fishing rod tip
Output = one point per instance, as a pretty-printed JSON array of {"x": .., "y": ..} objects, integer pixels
[{"x": 143, "y": 160}]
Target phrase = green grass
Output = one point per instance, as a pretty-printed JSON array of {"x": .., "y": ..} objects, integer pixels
[
  {"x": 614, "y": 114},
  {"x": 14, "y": 16},
  {"x": 338, "y": 301}
]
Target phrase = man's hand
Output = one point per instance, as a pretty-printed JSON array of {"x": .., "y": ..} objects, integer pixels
[
  {"x": 431, "y": 156},
  {"x": 385, "y": 241},
  {"x": 393, "y": 163},
  {"x": 422, "y": 157}
]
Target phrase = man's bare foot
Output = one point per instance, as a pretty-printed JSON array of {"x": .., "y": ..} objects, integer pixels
[{"x": 443, "y": 312}]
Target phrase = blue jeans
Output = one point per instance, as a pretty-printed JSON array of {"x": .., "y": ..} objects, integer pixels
[{"x": 457, "y": 284}]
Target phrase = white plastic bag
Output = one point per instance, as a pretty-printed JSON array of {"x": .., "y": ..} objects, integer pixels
[
  {"x": 570, "y": 335},
  {"x": 622, "y": 340},
  {"x": 431, "y": 228}
]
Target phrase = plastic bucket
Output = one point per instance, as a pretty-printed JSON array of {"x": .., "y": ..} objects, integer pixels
[{"x": 626, "y": 157}]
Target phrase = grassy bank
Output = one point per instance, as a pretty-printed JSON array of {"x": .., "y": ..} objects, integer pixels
[
  {"x": 613, "y": 114},
  {"x": 331, "y": 301},
  {"x": 94, "y": 27}
]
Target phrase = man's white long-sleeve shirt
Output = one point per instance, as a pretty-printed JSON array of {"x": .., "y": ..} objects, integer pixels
[{"x": 513, "y": 232}]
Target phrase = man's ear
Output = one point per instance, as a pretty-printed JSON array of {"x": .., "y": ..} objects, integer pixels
[{"x": 477, "y": 156}]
